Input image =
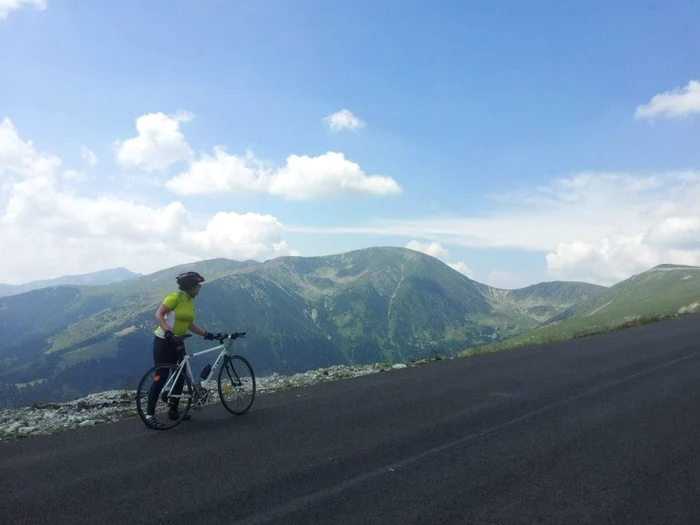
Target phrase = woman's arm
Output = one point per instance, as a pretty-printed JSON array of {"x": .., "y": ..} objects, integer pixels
[
  {"x": 160, "y": 317},
  {"x": 197, "y": 330}
]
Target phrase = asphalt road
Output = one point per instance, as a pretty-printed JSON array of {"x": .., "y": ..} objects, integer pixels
[{"x": 597, "y": 430}]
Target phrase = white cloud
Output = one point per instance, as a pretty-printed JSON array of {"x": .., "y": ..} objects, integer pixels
[
  {"x": 436, "y": 250},
  {"x": 462, "y": 268},
  {"x": 46, "y": 230},
  {"x": 159, "y": 145},
  {"x": 605, "y": 261},
  {"x": 74, "y": 176},
  {"x": 431, "y": 248},
  {"x": 597, "y": 227},
  {"x": 302, "y": 178},
  {"x": 10, "y": 5},
  {"x": 328, "y": 175},
  {"x": 675, "y": 103},
  {"x": 343, "y": 119},
  {"x": 675, "y": 232},
  {"x": 241, "y": 236},
  {"x": 88, "y": 156},
  {"x": 221, "y": 173},
  {"x": 19, "y": 157},
  {"x": 610, "y": 259}
]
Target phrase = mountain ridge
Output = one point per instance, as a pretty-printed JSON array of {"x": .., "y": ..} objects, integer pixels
[
  {"x": 377, "y": 304},
  {"x": 97, "y": 278}
]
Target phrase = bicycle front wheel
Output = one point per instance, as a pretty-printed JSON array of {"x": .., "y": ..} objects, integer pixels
[
  {"x": 152, "y": 398},
  {"x": 236, "y": 385}
]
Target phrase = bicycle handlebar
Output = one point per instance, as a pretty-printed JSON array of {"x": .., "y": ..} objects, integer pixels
[{"x": 234, "y": 335}]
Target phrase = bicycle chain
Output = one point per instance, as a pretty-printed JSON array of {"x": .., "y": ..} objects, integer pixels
[{"x": 201, "y": 397}]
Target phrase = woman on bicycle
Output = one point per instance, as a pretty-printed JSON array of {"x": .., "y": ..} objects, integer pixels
[{"x": 175, "y": 317}]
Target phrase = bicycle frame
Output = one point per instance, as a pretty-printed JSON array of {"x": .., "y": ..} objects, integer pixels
[{"x": 185, "y": 364}]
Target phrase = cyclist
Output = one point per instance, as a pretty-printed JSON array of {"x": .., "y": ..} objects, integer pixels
[{"x": 175, "y": 317}]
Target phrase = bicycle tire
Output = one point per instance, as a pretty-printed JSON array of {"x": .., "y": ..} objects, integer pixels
[
  {"x": 226, "y": 368},
  {"x": 142, "y": 394}
]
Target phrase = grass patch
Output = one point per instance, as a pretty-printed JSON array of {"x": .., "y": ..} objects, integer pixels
[
  {"x": 107, "y": 348},
  {"x": 551, "y": 335},
  {"x": 30, "y": 383}
]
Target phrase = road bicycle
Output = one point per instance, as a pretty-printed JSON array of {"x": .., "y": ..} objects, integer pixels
[{"x": 235, "y": 384}]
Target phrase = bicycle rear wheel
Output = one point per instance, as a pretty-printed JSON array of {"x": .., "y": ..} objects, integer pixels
[
  {"x": 163, "y": 400},
  {"x": 236, "y": 384}
]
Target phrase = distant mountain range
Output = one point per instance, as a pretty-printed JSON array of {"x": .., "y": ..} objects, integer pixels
[
  {"x": 664, "y": 290},
  {"x": 95, "y": 279},
  {"x": 374, "y": 305}
]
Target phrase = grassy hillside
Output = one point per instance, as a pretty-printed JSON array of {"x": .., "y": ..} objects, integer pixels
[
  {"x": 664, "y": 288},
  {"x": 543, "y": 301},
  {"x": 126, "y": 303},
  {"x": 663, "y": 291}
]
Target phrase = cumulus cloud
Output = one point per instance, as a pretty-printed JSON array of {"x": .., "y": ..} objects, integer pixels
[
  {"x": 301, "y": 178},
  {"x": 20, "y": 158},
  {"x": 249, "y": 235},
  {"x": 436, "y": 250},
  {"x": 604, "y": 261},
  {"x": 48, "y": 230},
  {"x": 221, "y": 173},
  {"x": 675, "y": 232},
  {"x": 678, "y": 102},
  {"x": 328, "y": 175},
  {"x": 159, "y": 143},
  {"x": 74, "y": 176},
  {"x": 6, "y": 6},
  {"x": 675, "y": 239},
  {"x": 661, "y": 225},
  {"x": 431, "y": 248},
  {"x": 343, "y": 119},
  {"x": 462, "y": 268},
  {"x": 88, "y": 156}
]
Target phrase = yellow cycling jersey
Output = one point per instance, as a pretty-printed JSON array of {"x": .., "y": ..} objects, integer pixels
[{"x": 181, "y": 314}]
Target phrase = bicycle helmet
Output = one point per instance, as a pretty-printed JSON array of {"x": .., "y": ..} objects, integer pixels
[{"x": 189, "y": 279}]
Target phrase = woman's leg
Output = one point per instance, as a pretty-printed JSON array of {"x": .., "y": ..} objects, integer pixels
[
  {"x": 178, "y": 354},
  {"x": 162, "y": 354}
]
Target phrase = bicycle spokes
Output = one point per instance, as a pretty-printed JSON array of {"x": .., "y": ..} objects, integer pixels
[
  {"x": 236, "y": 385},
  {"x": 161, "y": 393}
]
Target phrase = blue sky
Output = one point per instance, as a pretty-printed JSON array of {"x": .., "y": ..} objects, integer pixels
[{"x": 508, "y": 136}]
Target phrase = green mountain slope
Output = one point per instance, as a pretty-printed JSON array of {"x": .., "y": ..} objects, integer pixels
[
  {"x": 543, "y": 301},
  {"x": 126, "y": 303},
  {"x": 365, "y": 306},
  {"x": 664, "y": 290}
]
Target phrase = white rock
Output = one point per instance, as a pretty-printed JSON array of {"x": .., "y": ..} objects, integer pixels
[{"x": 13, "y": 427}]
